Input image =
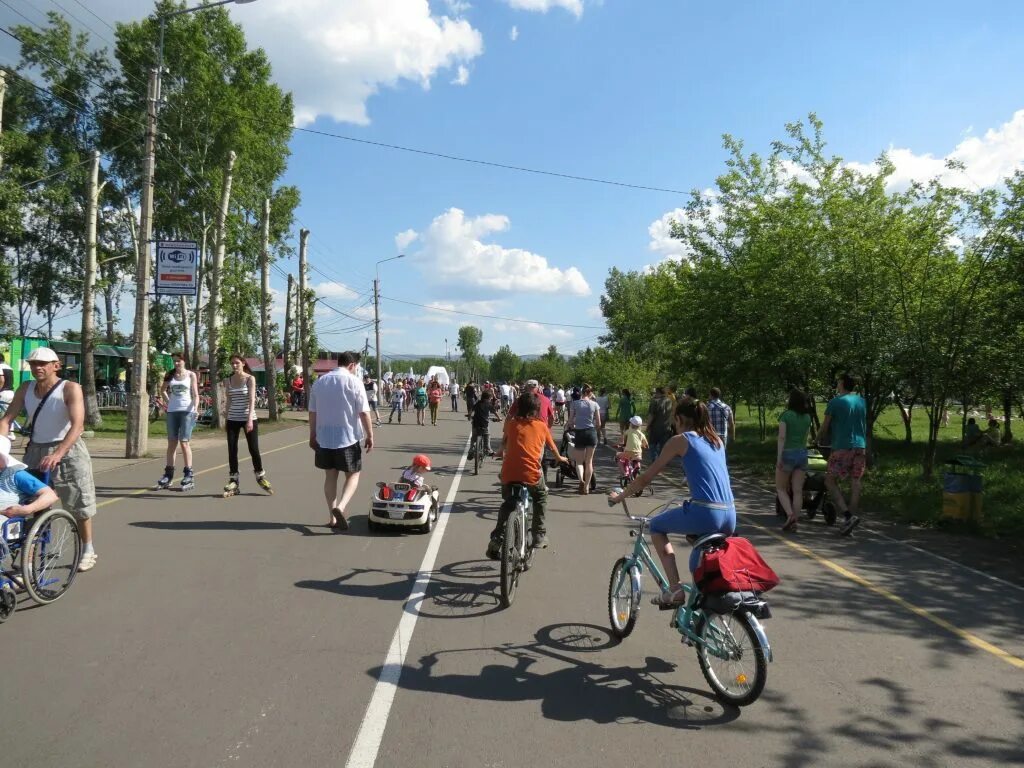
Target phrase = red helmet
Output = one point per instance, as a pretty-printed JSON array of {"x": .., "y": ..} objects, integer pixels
[{"x": 421, "y": 460}]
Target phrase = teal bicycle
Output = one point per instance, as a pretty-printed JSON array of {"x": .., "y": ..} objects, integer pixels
[{"x": 732, "y": 646}]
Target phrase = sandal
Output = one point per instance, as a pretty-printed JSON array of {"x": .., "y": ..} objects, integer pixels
[
  {"x": 790, "y": 525},
  {"x": 338, "y": 521},
  {"x": 88, "y": 562}
]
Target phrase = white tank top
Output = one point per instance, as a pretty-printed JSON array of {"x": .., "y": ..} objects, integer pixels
[
  {"x": 179, "y": 393},
  {"x": 53, "y": 421}
]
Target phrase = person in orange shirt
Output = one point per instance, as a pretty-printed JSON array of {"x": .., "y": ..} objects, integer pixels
[{"x": 524, "y": 441}]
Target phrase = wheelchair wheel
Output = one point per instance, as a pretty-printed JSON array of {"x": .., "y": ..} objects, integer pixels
[
  {"x": 51, "y": 555},
  {"x": 8, "y": 603}
]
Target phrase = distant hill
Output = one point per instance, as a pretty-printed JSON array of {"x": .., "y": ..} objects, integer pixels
[{"x": 527, "y": 358}]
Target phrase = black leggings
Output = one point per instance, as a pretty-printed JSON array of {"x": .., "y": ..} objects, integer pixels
[{"x": 253, "y": 441}]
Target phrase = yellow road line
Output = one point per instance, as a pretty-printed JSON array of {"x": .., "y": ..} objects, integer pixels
[
  {"x": 141, "y": 491},
  {"x": 846, "y": 573},
  {"x": 856, "y": 578}
]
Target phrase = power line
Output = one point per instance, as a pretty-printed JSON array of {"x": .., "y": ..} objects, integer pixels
[{"x": 493, "y": 317}]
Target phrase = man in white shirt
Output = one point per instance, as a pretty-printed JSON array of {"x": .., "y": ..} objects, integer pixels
[
  {"x": 453, "y": 390},
  {"x": 339, "y": 418},
  {"x": 506, "y": 395}
]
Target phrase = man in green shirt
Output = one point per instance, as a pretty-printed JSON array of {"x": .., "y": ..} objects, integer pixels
[{"x": 845, "y": 425}]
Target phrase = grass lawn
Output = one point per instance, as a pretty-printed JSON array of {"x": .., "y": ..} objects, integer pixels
[{"x": 894, "y": 488}]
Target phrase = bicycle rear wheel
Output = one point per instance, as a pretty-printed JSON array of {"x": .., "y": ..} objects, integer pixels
[
  {"x": 731, "y": 657},
  {"x": 511, "y": 547},
  {"x": 51, "y": 555},
  {"x": 623, "y": 600}
]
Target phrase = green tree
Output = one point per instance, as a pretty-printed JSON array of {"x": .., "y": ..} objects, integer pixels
[{"x": 505, "y": 364}]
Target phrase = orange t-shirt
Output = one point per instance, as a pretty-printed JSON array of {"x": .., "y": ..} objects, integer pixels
[{"x": 524, "y": 450}]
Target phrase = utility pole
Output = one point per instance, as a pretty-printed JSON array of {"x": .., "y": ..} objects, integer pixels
[
  {"x": 301, "y": 309},
  {"x": 287, "y": 351},
  {"x": 213, "y": 324},
  {"x": 87, "y": 358},
  {"x": 376, "y": 325},
  {"x": 137, "y": 432},
  {"x": 269, "y": 366},
  {"x": 204, "y": 260},
  {"x": 184, "y": 332}
]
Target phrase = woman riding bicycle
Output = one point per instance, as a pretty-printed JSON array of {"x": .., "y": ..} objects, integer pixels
[{"x": 711, "y": 510}]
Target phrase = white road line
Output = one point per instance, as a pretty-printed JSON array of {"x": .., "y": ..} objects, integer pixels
[{"x": 371, "y": 730}]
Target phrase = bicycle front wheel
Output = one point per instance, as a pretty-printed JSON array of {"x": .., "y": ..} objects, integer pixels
[
  {"x": 623, "y": 600},
  {"x": 512, "y": 546},
  {"x": 731, "y": 657}
]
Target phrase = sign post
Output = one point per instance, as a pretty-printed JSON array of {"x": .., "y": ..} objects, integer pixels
[{"x": 177, "y": 267}]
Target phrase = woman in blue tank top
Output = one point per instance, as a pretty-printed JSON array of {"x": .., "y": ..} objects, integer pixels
[{"x": 711, "y": 508}]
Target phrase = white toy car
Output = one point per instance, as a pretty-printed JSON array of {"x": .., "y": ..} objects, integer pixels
[{"x": 399, "y": 505}]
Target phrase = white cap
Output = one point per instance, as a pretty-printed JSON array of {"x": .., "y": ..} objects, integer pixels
[
  {"x": 5, "y": 451},
  {"x": 43, "y": 355},
  {"x": 532, "y": 383},
  {"x": 636, "y": 421}
]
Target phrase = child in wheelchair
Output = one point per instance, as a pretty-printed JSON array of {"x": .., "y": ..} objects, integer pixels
[{"x": 21, "y": 493}]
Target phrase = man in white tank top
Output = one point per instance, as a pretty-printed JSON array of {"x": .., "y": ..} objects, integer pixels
[{"x": 56, "y": 444}]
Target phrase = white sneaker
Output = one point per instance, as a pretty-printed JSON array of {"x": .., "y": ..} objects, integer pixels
[{"x": 88, "y": 562}]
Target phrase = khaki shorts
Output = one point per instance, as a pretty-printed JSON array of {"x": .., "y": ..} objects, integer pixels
[{"x": 72, "y": 479}]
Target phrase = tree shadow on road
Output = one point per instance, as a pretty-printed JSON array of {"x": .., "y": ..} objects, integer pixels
[{"x": 576, "y": 689}]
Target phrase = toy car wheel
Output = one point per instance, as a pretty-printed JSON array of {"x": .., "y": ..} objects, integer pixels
[
  {"x": 8, "y": 602},
  {"x": 432, "y": 516}
]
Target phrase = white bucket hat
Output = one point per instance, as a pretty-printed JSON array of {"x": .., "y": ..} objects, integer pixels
[
  {"x": 5, "y": 451},
  {"x": 42, "y": 355},
  {"x": 636, "y": 421}
]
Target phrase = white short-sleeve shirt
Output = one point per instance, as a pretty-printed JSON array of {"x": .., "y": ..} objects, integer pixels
[{"x": 337, "y": 399}]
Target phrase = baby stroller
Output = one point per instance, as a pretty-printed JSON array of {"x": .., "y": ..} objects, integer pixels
[
  {"x": 569, "y": 468},
  {"x": 815, "y": 496}
]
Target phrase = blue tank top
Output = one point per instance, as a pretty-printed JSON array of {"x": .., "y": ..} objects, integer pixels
[{"x": 706, "y": 471}]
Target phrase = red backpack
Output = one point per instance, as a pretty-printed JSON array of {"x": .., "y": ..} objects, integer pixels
[{"x": 736, "y": 566}]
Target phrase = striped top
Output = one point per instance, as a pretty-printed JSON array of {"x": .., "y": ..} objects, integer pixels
[{"x": 238, "y": 400}]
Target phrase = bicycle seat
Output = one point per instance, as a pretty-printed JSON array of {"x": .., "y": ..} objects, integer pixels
[{"x": 708, "y": 540}]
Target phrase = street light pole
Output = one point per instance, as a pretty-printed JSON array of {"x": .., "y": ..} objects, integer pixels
[
  {"x": 376, "y": 310},
  {"x": 137, "y": 428}
]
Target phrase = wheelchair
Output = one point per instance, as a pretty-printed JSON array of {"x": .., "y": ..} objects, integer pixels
[{"x": 49, "y": 549}]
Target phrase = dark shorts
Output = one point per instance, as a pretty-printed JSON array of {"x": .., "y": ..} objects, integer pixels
[
  {"x": 347, "y": 460},
  {"x": 585, "y": 438}
]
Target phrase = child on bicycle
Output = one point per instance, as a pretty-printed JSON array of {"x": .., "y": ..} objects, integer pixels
[
  {"x": 524, "y": 441},
  {"x": 480, "y": 418},
  {"x": 711, "y": 510},
  {"x": 633, "y": 444}
]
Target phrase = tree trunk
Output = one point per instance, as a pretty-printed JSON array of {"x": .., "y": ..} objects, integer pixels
[
  {"x": 87, "y": 361},
  {"x": 1007, "y": 415},
  {"x": 906, "y": 413},
  {"x": 269, "y": 369},
  {"x": 219, "y": 417},
  {"x": 286, "y": 352}
]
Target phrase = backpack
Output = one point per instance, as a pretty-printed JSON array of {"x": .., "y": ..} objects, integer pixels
[
  {"x": 736, "y": 566},
  {"x": 421, "y": 398}
]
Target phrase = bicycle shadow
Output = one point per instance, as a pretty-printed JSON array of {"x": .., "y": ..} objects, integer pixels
[
  {"x": 231, "y": 525},
  {"x": 575, "y": 691}
]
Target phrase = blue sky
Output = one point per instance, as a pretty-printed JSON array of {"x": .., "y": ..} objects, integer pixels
[{"x": 636, "y": 91}]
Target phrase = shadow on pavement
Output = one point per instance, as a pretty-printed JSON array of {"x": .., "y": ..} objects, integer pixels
[
  {"x": 576, "y": 689},
  {"x": 232, "y": 525}
]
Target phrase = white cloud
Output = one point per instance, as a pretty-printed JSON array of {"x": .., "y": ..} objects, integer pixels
[
  {"x": 404, "y": 239},
  {"x": 452, "y": 251},
  {"x": 535, "y": 329},
  {"x": 575, "y": 7},
  {"x": 987, "y": 161},
  {"x": 333, "y": 289},
  {"x": 333, "y": 55},
  {"x": 461, "y": 76},
  {"x": 513, "y": 35}
]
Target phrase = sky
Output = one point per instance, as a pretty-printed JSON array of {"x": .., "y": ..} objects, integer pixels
[{"x": 636, "y": 92}]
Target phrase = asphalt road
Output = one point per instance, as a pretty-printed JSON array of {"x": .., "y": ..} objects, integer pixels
[{"x": 242, "y": 632}]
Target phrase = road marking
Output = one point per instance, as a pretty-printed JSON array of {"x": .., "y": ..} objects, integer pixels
[
  {"x": 963, "y": 634},
  {"x": 856, "y": 578},
  {"x": 371, "y": 730},
  {"x": 140, "y": 491}
]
